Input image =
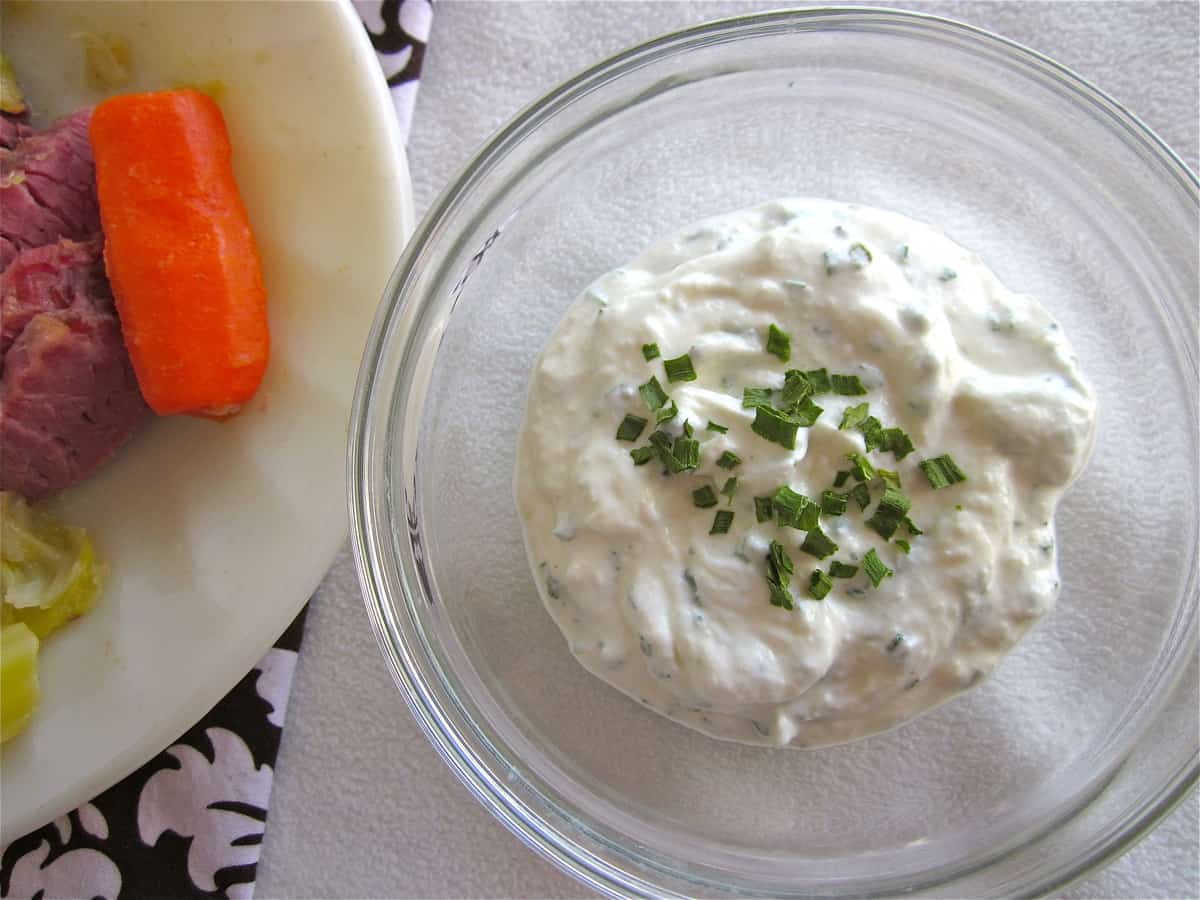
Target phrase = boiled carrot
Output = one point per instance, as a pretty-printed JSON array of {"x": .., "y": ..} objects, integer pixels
[{"x": 179, "y": 252}]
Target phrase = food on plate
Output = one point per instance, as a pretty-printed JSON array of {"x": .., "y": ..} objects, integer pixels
[
  {"x": 12, "y": 98},
  {"x": 187, "y": 331},
  {"x": 180, "y": 254},
  {"x": 13, "y": 128},
  {"x": 790, "y": 476},
  {"x": 48, "y": 576},
  {"x": 47, "y": 187},
  {"x": 48, "y": 570},
  {"x": 19, "y": 689},
  {"x": 68, "y": 396}
]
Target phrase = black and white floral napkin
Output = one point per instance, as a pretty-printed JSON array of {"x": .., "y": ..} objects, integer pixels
[{"x": 190, "y": 822}]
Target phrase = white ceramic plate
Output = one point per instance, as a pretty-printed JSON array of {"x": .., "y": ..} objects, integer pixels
[{"x": 216, "y": 534}]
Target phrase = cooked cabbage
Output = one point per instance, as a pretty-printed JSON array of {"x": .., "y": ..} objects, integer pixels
[
  {"x": 48, "y": 576},
  {"x": 18, "y": 678}
]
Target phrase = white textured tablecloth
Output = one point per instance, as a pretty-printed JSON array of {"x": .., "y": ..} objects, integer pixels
[{"x": 363, "y": 806}]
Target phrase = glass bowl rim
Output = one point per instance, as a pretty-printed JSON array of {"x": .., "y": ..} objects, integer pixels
[{"x": 364, "y": 495}]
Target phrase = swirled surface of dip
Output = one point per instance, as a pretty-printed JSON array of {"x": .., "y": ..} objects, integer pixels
[{"x": 687, "y": 621}]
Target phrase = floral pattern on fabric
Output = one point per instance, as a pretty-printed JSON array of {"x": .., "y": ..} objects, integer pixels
[{"x": 189, "y": 823}]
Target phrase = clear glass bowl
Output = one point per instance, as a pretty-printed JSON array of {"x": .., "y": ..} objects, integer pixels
[{"x": 1086, "y": 734}]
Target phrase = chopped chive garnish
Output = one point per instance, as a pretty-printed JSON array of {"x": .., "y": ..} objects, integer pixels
[
  {"x": 779, "y": 575},
  {"x": 721, "y": 522},
  {"x": 730, "y": 488},
  {"x": 892, "y": 510},
  {"x": 792, "y": 510},
  {"x": 860, "y": 467},
  {"x": 840, "y": 478},
  {"x": 776, "y": 426},
  {"x": 819, "y": 379},
  {"x": 642, "y": 455},
  {"x": 872, "y": 432},
  {"x": 842, "y": 570},
  {"x": 779, "y": 343},
  {"x": 685, "y": 453},
  {"x": 875, "y": 568},
  {"x": 688, "y": 430},
  {"x": 679, "y": 369},
  {"x": 728, "y": 460},
  {"x": 818, "y": 544},
  {"x": 854, "y": 416},
  {"x": 764, "y": 509},
  {"x": 860, "y": 255},
  {"x": 913, "y": 530},
  {"x": 809, "y": 516},
  {"x": 860, "y": 494},
  {"x": 787, "y": 502},
  {"x": 753, "y": 396},
  {"x": 847, "y": 385},
  {"x": 947, "y": 275},
  {"x": 819, "y": 585},
  {"x": 796, "y": 388},
  {"x": 905, "y": 546},
  {"x": 889, "y": 478},
  {"x": 704, "y": 497},
  {"x": 663, "y": 445},
  {"x": 779, "y": 564},
  {"x": 806, "y": 412},
  {"x": 650, "y": 351},
  {"x": 667, "y": 413},
  {"x": 653, "y": 394},
  {"x": 833, "y": 503},
  {"x": 780, "y": 595},
  {"x": 677, "y": 455},
  {"x": 942, "y": 471},
  {"x": 898, "y": 442},
  {"x": 719, "y": 429},
  {"x": 857, "y": 256},
  {"x": 631, "y": 428}
]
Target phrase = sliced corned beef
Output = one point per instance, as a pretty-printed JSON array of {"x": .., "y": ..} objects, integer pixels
[
  {"x": 68, "y": 395},
  {"x": 44, "y": 279},
  {"x": 12, "y": 129},
  {"x": 47, "y": 188}
]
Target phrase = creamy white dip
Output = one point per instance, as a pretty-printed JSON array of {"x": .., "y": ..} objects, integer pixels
[{"x": 680, "y": 619}]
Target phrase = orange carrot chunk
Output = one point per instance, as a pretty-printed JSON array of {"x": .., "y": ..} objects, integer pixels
[{"x": 179, "y": 252}]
